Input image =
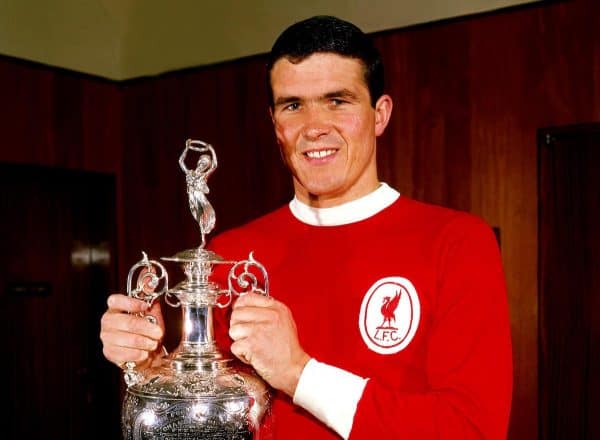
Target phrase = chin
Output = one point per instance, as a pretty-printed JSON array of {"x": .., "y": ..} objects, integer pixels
[{"x": 324, "y": 191}]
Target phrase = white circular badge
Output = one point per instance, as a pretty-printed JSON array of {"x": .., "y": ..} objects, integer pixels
[{"x": 389, "y": 315}]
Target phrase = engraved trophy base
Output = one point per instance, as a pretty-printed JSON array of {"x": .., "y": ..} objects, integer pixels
[{"x": 215, "y": 400}]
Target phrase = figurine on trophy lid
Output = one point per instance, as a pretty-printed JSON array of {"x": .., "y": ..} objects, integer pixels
[{"x": 195, "y": 392}]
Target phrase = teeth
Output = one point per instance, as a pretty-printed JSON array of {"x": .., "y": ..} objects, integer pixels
[{"x": 319, "y": 154}]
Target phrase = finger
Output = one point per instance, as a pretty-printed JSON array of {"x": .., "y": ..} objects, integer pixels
[
  {"x": 255, "y": 300},
  {"x": 252, "y": 313},
  {"x": 119, "y": 355},
  {"x": 119, "y": 339},
  {"x": 255, "y": 316},
  {"x": 241, "y": 351},
  {"x": 115, "y": 321},
  {"x": 241, "y": 331},
  {"x": 124, "y": 303}
]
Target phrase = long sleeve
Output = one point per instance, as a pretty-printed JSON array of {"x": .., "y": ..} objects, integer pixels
[{"x": 469, "y": 360}]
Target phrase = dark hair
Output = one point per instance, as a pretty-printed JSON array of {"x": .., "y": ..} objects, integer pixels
[{"x": 325, "y": 33}]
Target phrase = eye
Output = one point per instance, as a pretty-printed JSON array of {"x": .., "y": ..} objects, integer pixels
[
  {"x": 292, "y": 107},
  {"x": 336, "y": 102}
]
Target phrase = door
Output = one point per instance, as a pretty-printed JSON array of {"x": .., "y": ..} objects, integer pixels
[
  {"x": 57, "y": 235},
  {"x": 569, "y": 278}
]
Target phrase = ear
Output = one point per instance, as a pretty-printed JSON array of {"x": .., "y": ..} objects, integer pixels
[{"x": 383, "y": 112}]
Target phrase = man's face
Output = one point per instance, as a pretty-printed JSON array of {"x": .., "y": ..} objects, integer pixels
[{"x": 326, "y": 127}]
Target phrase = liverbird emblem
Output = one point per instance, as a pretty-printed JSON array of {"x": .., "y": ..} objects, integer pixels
[
  {"x": 389, "y": 315},
  {"x": 388, "y": 310}
]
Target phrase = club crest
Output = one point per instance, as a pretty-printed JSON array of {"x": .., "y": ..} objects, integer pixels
[{"x": 389, "y": 315}]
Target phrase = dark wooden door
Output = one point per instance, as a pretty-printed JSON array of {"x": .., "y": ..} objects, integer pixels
[
  {"x": 569, "y": 302},
  {"x": 57, "y": 266}
]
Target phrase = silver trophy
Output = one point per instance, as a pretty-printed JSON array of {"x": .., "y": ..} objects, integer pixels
[{"x": 195, "y": 392}]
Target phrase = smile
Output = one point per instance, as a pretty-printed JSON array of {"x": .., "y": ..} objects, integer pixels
[{"x": 319, "y": 154}]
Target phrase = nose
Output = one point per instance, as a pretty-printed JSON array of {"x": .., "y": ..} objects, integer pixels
[{"x": 316, "y": 123}]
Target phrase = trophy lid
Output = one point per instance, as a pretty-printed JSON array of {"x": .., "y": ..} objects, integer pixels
[{"x": 197, "y": 255}]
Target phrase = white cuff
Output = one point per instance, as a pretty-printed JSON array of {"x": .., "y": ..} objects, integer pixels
[{"x": 330, "y": 394}]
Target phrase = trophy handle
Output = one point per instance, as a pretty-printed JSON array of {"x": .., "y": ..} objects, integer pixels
[
  {"x": 241, "y": 280},
  {"x": 150, "y": 275}
]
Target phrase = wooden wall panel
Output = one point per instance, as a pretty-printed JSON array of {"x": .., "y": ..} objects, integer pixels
[
  {"x": 26, "y": 112},
  {"x": 469, "y": 96},
  {"x": 504, "y": 186},
  {"x": 58, "y": 118},
  {"x": 429, "y": 121}
]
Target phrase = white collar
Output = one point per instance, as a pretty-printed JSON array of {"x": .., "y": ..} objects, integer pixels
[{"x": 346, "y": 213}]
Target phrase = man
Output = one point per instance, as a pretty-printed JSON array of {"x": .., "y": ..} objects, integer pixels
[{"x": 390, "y": 317}]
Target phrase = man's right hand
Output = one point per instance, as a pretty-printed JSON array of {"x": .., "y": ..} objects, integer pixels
[{"x": 128, "y": 337}]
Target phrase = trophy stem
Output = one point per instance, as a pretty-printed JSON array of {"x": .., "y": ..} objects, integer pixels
[
  {"x": 197, "y": 350},
  {"x": 198, "y": 330}
]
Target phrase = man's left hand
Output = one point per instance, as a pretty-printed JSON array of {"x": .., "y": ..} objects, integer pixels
[{"x": 265, "y": 336}]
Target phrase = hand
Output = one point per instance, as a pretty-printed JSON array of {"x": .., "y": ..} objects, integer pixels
[
  {"x": 265, "y": 336},
  {"x": 126, "y": 336}
]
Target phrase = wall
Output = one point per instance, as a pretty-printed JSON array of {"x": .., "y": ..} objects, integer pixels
[
  {"x": 123, "y": 39},
  {"x": 469, "y": 97}
]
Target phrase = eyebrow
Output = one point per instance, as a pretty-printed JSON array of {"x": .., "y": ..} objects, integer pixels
[
  {"x": 286, "y": 100},
  {"x": 342, "y": 93}
]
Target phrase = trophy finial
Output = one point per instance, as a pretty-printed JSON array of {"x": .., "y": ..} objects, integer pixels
[{"x": 197, "y": 187}]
